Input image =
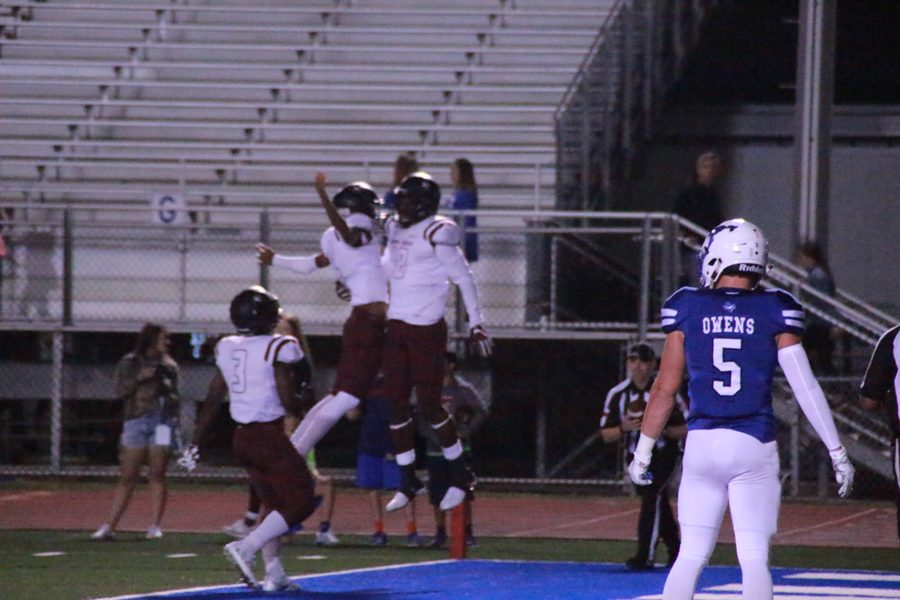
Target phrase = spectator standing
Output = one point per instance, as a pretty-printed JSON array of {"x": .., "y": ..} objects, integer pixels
[
  {"x": 405, "y": 165},
  {"x": 376, "y": 464},
  {"x": 879, "y": 388},
  {"x": 146, "y": 381},
  {"x": 700, "y": 203},
  {"x": 818, "y": 339},
  {"x": 468, "y": 412},
  {"x": 465, "y": 197},
  {"x": 623, "y": 413}
]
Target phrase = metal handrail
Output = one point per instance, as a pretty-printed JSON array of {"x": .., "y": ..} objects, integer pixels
[{"x": 588, "y": 57}]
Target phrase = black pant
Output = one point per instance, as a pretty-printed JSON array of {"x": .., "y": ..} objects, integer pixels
[{"x": 657, "y": 521}]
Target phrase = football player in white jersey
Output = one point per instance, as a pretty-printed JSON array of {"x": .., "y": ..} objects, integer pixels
[
  {"x": 422, "y": 254},
  {"x": 255, "y": 371},
  {"x": 730, "y": 334},
  {"x": 354, "y": 251}
]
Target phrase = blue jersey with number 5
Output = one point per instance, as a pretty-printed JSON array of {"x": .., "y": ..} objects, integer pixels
[{"x": 729, "y": 345}]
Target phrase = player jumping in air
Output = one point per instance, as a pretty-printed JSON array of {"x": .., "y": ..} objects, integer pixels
[
  {"x": 255, "y": 370},
  {"x": 353, "y": 250},
  {"x": 422, "y": 253},
  {"x": 730, "y": 334}
]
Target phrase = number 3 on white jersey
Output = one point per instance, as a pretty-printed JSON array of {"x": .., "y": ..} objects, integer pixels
[
  {"x": 726, "y": 366},
  {"x": 239, "y": 375}
]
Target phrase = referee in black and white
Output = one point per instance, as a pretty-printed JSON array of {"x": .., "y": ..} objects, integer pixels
[{"x": 879, "y": 389}]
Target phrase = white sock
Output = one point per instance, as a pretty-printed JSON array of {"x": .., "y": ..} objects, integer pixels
[
  {"x": 271, "y": 552},
  {"x": 320, "y": 419},
  {"x": 406, "y": 458},
  {"x": 452, "y": 452},
  {"x": 272, "y": 526},
  {"x": 753, "y": 555},
  {"x": 697, "y": 544}
]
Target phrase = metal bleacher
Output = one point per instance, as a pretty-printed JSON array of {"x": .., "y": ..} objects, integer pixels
[{"x": 243, "y": 102}]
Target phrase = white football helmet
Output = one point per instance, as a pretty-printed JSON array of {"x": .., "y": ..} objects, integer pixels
[{"x": 734, "y": 242}]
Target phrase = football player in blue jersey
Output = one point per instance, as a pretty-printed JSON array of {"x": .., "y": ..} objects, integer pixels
[{"x": 730, "y": 334}]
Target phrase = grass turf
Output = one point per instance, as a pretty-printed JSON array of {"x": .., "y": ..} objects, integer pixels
[{"x": 132, "y": 565}]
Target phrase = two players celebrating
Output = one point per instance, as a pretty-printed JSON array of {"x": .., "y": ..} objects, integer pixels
[{"x": 406, "y": 338}]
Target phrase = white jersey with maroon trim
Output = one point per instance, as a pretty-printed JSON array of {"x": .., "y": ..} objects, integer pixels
[
  {"x": 247, "y": 365},
  {"x": 359, "y": 268},
  {"x": 420, "y": 261}
]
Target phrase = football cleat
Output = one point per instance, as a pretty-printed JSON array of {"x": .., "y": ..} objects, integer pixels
[
  {"x": 279, "y": 584},
  {"x": 154, "y": 532},
  {"x": 379, "y": 538},
  {"x": 410, "y": 487},
  {"x": 327, "y": 538},
  {"x": 238, "y": 530},
  {"x": 104, "y": 533},
  {"x": 243, "y": 561}
]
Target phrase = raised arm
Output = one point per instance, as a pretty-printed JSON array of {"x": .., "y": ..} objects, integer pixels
[{"x": 351, "y": 236}]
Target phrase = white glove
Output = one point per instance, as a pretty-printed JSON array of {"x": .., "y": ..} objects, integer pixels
[
  {"x": 189, "y": 458},
  {"x": 843, "y": 471},
  {"x": 637, "y": 470},
  {"x": 481, "y": 340}
]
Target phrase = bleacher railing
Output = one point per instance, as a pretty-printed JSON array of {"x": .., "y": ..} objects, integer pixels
[
  {"x": 542, "y": 276},
  {"x": 612, "y": 104}
]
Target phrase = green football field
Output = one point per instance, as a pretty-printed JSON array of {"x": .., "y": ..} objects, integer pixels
[{"x": 130, "y": 565}]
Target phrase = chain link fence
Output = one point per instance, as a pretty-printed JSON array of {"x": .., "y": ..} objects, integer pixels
[{"x": 563, "y": 294}]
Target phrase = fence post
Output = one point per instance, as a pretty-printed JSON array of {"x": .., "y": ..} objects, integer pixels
[
  {"x": 182, "y": 273},
  {"x": 585, "y": 166},
  {"x": 265, "y": 233},
  {"x": 795, "y": 450},
  {"x": 56, "y": 393},
  {"x": 645, "y": 280},
  {"x": 67, "y": 268}
]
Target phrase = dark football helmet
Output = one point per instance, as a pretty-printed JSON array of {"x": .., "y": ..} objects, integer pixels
[
  {"x": 358, "y": 197},
  {"x": 255, "y": 311},
  {"x": 418, "y": 197}
]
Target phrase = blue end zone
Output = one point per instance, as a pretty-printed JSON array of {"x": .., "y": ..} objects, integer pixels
[{"x": 513, "y": 580}]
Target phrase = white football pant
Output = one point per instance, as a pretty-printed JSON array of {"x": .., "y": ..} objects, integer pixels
[{"x": 726, "y": 468}]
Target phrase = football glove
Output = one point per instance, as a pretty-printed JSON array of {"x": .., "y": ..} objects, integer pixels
[
  {"x": 481, "y": 340},
  {"x": 843, "y": 471},
  {"x": 342, "y": 291},
  {"x": 637, "y": 470},
  {"x": 189, "y": 458}
]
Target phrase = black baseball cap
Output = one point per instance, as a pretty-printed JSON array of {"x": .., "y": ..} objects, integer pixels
[{"x": 642, "y": 351}]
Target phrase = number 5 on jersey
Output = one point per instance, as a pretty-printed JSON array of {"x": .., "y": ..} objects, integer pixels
[{"x": 720, "y": 345}]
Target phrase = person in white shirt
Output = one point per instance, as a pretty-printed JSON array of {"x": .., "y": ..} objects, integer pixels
[
  {"x": 350, "y": 247},
  {"x": 255, "y": 370},
  {"x": 421, "y": 258}
]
